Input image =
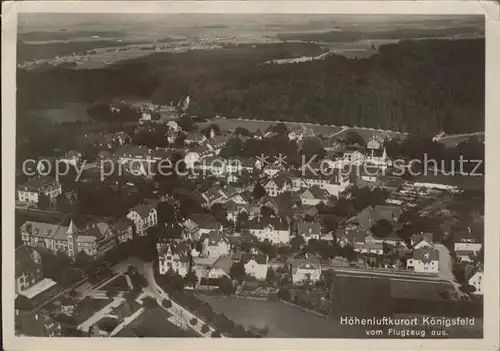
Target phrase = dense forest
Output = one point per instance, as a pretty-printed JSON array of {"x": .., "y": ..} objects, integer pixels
[{"x": 413, "y": 86}]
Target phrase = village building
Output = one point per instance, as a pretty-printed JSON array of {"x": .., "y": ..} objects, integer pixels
[
  {"x": 198, "y": 224},
  {"x": 466, "y": 245},
  {"x": 314, "y": 196},
  {"x": 31, "y": 191},
  {"x": 309, "y": 230},
  {"x": 215, "y": 244},
  {"x": 421, "y": 240},
  {"x": 28, "y": 268},
  {"x": 221, "y": 267},
  {"x": 123, "y": 229},
  {"x": 144, "y": 217},
  {"x": 274, "y": 229},
  {"x": 306, "y": 269},
  {"x": 256, "y": 263},
  {"x": 67, "y": 238},
  {"x": 476, "y": 279},
  {"x": 277, "y": 185},
  {"x": 173, "y": 257},
  {"x": 425, "y": 260}
]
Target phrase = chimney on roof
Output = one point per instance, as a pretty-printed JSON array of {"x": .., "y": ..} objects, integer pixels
[{"x": 36, "y": 316}]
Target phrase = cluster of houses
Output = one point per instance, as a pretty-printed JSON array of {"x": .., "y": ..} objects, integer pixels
[{"x": 202, "y": 244}]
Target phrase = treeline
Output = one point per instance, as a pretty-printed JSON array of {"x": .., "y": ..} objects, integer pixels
[{"x": 413, "y": 86}]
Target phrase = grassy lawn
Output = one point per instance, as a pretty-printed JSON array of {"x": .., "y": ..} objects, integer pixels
[
  {"x": 154, "y": 324},
  {"x": 119, "y": 283}
]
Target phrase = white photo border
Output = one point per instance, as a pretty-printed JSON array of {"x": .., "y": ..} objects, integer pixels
[{"x": 489, "y": 9}]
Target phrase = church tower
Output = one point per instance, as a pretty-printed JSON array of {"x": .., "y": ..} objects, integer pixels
[{"x": 70, "y": 238}]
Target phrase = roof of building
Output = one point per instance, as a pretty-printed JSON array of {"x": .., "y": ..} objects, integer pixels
[
  {"x": 371, "y": 215},
  {"x": 417, "y": 238},
  {"x": 123, "y": 223},
  {"x": 48, "y": 230},
  {"x": 143, "y": 210},
  {"x": 308, "y": 228},
  {"x": 229, "y": 191},
  {"x": 256, "y": 255},
  {"x": 223, "y": 263},
  {"x": 426, "y": 254},
  {"x": 278, "y": 223},
  {"x": 27, "y": 260},
  {"x": 214, "y": 237},
  {"x": 213, "y": 194},
  {"x": 204, "y": 221},
  {"x": 318, "y": 193},
  {"x": 308, "y": 262}
]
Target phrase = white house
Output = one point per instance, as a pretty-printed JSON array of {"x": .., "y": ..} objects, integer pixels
[
  {"x": 277, "y": 185},
  {"x": 425, "y": 260},
  {"x": 215, "y": 244},
  {"x": 308, "y": 268},
  {"x": 29, "y": 192},
  {"x": 274, "y": 229},
  {"x": 144, "y": 217},
  {"x": 256, "y": 263},
  {"x": 476, "y": 280},
  {"x": 173, "y": 257},
  {"x": 466, "y": 245},
  {"x": 314, "y": 196}
]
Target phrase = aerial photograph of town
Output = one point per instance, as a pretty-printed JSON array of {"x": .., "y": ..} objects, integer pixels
[{"x": 250, "y": 176}]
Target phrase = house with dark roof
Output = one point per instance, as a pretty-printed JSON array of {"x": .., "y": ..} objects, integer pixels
[
  {"x": 198, "y": 224},
  {"x": 274, "y": 229},
  {"x": 276, "y": 185},
  {"x": 309, "y": 230},
  {"x": 28, "y": 269},
  {"x": 213, "y": 196},
  {"x": 425, "y": 260},
  {"x": 67, "y": 237},
  {"x": 194, "y": 138},
  {"x": 30, "y": 191},
  {"x": 419, "y": 240},
  {"x": 174, "y": 257},
  {"x": 314, "y": 196},
  {"x": 466, "y": 244},
  {"x": 371, "y": 215},
  {"x": 215, "y": 244},
  {"x": 358, "y": 156},
  {"x": 36, "y": 324},
  {"x": 123, "y": 229},
  {"x": 333, "y": 180},
  {"x": 220, "y": 268},
  {"x": 256, "y": 263},
  {"x": 144, "y": 216}
]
